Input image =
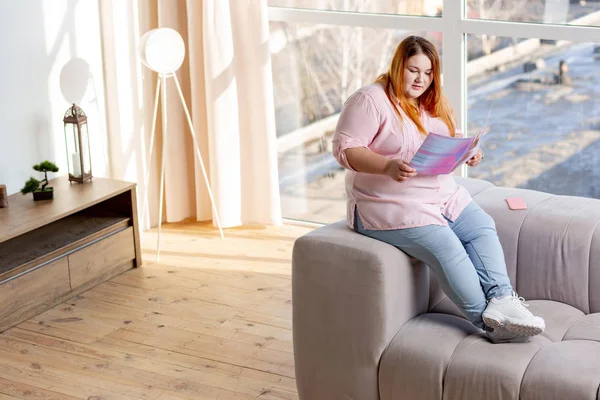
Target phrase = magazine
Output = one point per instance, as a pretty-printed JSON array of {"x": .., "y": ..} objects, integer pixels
[{"x": 443, "y": 154}]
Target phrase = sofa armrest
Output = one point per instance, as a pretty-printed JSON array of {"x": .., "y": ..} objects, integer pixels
[{"x": 350, "y": 296}]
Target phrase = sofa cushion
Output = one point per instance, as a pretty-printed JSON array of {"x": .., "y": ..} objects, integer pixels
[
  {"x": 555, "y": 243},
  {"x": 564, "y": 370},
  {"x": 559, "y": 317},
  {"x": 481, "y": 370},
  {"x": 585, "y": 328},
  {"x": 435, "y": 356}
]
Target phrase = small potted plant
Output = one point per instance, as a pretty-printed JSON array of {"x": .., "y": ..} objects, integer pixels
[{"x": 43, "y": 192}]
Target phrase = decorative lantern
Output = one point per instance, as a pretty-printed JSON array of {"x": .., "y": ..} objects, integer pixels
[{"x": 78, "y": 145}]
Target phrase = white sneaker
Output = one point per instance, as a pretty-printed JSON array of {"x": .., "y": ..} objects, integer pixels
[
  {"x": 501, "y": 335},
  {"x": 510, "y": 312}
]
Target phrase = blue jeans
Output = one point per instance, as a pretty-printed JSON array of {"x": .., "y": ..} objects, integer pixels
[{"x": 466, "y": 256}]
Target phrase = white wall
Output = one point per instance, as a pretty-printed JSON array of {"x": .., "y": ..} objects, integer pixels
[{"x": 38, "y": 38}]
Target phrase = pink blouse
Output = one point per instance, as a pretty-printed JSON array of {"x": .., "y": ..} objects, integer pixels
[{"x": 368, "y": 120}]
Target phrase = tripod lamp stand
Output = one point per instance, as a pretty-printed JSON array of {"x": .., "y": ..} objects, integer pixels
[{"x": 163, "y": 51}]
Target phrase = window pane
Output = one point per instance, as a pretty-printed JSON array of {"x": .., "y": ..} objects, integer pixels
[
  {"x": 579, "y": 12},
  {"x": 544, "y": 121},
  {"x": 405, "y": 7},
  {"x": 315, "y": 69}
]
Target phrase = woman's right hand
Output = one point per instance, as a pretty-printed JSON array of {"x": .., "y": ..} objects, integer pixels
[{"x": 398, "y": 170}]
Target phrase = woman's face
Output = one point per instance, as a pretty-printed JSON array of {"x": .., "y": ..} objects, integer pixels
[{"x": 417, "y": 76}]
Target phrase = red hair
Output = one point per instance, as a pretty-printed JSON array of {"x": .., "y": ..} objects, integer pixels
[{"x": 433, "y": 100}]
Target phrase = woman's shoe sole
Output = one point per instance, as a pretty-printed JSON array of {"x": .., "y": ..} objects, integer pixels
[{"x": 526, "y": 330}]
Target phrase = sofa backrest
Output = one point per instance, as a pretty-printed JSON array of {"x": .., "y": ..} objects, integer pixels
[{"x": 552, "y": 249}]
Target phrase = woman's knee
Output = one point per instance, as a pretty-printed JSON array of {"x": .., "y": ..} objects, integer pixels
[
  {"x": 482, "y": 219},
  {"x": 488, "y": 221},
  {"x": 450, "y": 253}
]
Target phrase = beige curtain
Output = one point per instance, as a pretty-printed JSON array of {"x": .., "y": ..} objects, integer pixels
[{"x": 227, "y": 85}]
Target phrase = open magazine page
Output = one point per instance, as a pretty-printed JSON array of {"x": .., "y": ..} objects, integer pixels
[{"x": 443, "y": 154}]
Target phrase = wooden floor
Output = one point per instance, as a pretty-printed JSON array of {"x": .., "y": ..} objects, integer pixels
[{"x": 211, "y": 320}]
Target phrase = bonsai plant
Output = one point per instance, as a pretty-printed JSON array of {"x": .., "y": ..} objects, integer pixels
[{"x": 43, "y": 192}]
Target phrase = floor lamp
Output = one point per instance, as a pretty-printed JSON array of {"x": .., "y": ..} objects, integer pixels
[{"x": 163, "y": 51}]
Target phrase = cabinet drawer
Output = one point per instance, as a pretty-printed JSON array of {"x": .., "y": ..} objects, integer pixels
[
  {"x": 101, "y": 259},
  {"x": 28, "y": 295}
]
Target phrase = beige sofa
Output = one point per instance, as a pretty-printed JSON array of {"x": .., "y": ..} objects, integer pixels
[{"x": 371, "y": 323}]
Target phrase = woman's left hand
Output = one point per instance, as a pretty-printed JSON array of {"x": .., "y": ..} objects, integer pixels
[{"x": 476, "y": 159}]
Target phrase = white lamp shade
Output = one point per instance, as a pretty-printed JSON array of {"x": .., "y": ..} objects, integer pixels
[{"x": 162, "y": 50}]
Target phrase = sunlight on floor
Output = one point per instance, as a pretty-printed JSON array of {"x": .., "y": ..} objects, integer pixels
[{"x": 197, "y": 245}]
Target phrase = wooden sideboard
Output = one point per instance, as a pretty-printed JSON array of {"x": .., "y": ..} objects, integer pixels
[{"x": 51, "y": 250}]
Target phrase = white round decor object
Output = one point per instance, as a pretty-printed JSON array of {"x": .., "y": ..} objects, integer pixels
[
  {"x": 75, "y": 79},
  {"x": 162, "y": 50}
]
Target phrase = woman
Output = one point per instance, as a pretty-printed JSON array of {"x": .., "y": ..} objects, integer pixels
[{"x": 428, "y": 217}]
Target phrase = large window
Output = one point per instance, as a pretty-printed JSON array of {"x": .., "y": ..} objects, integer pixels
[
  {"x": 544, "y": 117},
  {"x": 315, "y": 68},
  {"x": 526, "y": 69}
]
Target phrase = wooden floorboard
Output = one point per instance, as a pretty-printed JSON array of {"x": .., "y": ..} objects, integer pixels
[{"x": 211, "y": 320}]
